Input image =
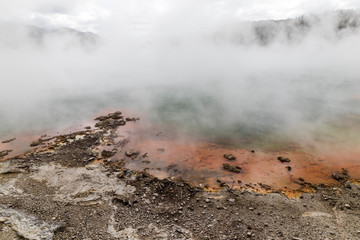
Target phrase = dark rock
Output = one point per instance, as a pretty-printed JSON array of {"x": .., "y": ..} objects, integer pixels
[
  {"x": 121, "y": 123},
  {"x": 301, "y": 179},
  {"x": 265, "y": 186},
  {"x": 106, "y": 153},
  {"x": 8, "y": 140},
  {"x": 348, "y": 185},
  {"x": 110, "y": 123},
  {"x": 115, "y": 115},
  {"x": 339, "y": 176},
  {"x": 102, "y": 118},
  {"x": 87, "y": 127},
  {"x": 112, "y": 120},
  {"x": 288, "y": 168},
  {"x": 231, "y": 168},
  {"x": 122, "y": 201},
  {"x": 4, "y": 153},
  {"x": 229, "y": 157},
  {"x": 283, "y": 159},
  {"x": 132, "y": 119},
  {"x": 36, "y": 143},
  {"x": 132, "y": 153}
]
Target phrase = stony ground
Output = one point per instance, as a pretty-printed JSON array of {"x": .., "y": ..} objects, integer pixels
[{"x": 61, "y": 192}]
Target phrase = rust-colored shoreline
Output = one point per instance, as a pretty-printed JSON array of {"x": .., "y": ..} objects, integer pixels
[{"x": 164, "y": 154}]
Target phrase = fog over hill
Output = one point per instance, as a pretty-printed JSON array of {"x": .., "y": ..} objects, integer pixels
[
  {"x": 331, "y": 26},
  {"x": 15, "y": 34}
]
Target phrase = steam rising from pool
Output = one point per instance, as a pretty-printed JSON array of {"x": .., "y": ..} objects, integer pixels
[{"x": 295, "y": 80}]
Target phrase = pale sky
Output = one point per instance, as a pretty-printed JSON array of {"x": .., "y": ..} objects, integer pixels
[{"x": 87, "y": 15}]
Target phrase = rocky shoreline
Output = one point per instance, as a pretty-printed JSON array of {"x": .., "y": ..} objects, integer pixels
[{"x": 72, "y": 187}]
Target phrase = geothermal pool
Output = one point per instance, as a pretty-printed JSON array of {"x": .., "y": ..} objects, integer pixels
[
  {"x": 167, "y": 150},
  {"x": 258, "y": 90}
]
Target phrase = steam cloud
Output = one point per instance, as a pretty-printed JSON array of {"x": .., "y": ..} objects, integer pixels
[{"x": 209, "y": 74}]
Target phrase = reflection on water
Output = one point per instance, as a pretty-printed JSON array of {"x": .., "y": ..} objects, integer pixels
[{"x": 253, "y": 109}]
